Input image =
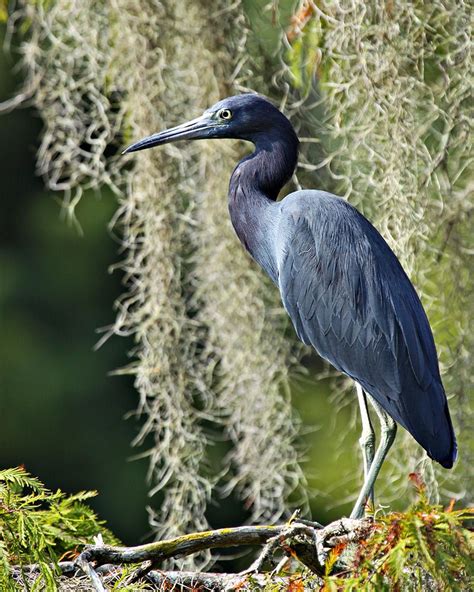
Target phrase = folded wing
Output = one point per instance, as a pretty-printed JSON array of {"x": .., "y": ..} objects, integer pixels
[{"x": 349, "y": 298}]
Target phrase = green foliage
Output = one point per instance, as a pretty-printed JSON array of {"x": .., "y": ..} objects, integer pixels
[
  {"x": 3, "y": 11},
  {"x": 122, "y": 581},
  {"x": 40, "y": 526},
  {"x": 425, "y": 548},
  {"x": 304, "y": 57}
]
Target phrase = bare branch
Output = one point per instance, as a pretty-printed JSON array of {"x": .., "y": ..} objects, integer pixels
[
  {"x": 92, "y": 574},
  {"x": 177, "y": 580}
]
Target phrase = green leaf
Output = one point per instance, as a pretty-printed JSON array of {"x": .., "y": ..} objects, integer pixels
[{"x": 39, "y": 526}]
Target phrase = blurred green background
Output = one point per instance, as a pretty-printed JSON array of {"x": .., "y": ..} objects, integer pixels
[{"x": 62, "y": 414}]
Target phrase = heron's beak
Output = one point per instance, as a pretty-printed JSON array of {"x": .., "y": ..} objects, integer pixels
[{"x": 195, "y": 129}]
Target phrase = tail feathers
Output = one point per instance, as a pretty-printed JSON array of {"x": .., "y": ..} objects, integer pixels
[
  {"x": 425, "y": 415},
  {"x": 445, "y": 450}
]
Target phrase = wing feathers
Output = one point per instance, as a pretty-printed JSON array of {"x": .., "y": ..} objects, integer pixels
[{"x": 349, "y": 297}]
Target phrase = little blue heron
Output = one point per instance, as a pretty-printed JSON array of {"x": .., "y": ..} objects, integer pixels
[{"x": 342, "y": 286}]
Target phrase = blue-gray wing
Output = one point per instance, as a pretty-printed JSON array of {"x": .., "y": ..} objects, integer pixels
[{"x": 349, "y": 298}]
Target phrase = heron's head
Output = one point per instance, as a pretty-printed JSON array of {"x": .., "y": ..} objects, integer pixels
[{"x": 246, "y": 117}]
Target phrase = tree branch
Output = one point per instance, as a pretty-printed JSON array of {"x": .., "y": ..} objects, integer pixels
[
  {"x": 181, "y": 546},
  {"x": 308, "y": 542}
]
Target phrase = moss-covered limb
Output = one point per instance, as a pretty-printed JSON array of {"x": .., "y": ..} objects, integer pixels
[
  {"x": 181, "y": 546},
  {"x": 309, "y": 545},
  {"x": 303, "y": 542}
]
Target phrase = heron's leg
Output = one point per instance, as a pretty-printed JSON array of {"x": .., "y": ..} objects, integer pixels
[
  {"x": 387, "y": 436},
  {"x": 367, "y": 437}
]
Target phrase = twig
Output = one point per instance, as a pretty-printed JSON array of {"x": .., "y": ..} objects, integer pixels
[
  {"x": 91, "y": 573},
  {"x": 67, "y": 568},
  {"x": 179, "y": 580},
  {"x": 84, "y": 563},
  {"x": 296, "y": 539},
  {"x": 311, "y": 523}
]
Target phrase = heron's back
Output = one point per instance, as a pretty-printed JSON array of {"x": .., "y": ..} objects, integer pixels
[{"x": 349, "y": 298}]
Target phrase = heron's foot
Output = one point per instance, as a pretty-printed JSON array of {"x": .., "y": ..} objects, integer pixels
[
  {"x": 340, "y": 533},
  {"x": 311, "y": 544},
  {"x": 363, "y": 510}
]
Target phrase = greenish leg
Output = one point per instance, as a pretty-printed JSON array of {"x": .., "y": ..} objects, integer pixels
[
  {"x": 387, "y": 436},
  {"x": 367, "y": 438}
]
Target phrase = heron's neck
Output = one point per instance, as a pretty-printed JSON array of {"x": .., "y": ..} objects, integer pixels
[
  {"x": 269, "y": 167},
  {"x": 254, "y": 188}
]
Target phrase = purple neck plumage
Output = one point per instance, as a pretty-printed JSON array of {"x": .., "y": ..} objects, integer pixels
[
  {"x": 254, "y": 188},
  {"x": 270, "y": 166}
]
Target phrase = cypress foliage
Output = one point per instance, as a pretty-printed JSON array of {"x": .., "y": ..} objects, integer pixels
[{"x": 39, "y": 526}]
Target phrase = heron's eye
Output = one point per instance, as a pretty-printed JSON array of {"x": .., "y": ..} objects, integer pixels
[{"x": 225, "y": 114}]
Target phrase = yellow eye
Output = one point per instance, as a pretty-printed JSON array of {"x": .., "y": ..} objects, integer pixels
[{"x": 225, "y": 114}]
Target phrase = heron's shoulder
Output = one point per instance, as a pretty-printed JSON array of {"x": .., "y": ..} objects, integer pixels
[
  {"x": 326, "y": 216},
  {"x": 333, "y": 224},
  {"x": 310, "y": 202}
]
